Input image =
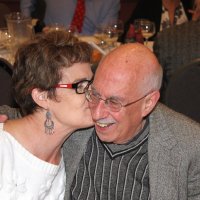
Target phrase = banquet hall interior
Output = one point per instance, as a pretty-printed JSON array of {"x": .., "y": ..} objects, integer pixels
[{"x": 160, "y": 45}]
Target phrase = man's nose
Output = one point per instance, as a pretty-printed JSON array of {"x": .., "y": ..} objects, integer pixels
[{"x": 99, "y": 111}]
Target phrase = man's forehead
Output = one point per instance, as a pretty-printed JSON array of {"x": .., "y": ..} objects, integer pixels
[
  {"x": 129, "y": 60},
  {"x": 124, "y": 58},
  {"x": 114, "y": 81}
]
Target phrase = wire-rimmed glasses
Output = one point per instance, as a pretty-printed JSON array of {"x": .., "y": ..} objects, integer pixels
[{"x": 112, "y": 104}]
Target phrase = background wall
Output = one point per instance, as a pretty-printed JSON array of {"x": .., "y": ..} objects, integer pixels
[{"x": 12, "y": 4}]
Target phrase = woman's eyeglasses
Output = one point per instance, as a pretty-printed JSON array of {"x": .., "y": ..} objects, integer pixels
[{"x": 80, "y": 87}]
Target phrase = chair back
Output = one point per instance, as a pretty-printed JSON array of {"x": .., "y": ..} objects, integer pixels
[
  {"x": 4, "y": 10},
  {"x": 183, "y": 91},
  {"x": 6, "y": 97}
]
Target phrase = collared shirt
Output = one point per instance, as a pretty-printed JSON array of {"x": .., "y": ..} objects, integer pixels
[
  {"x": 62, "y": 11},
  {"x": 179, "y": 17},
  {"x": 111, "y": 171}
]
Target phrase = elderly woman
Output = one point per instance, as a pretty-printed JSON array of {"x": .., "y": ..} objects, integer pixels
[{"x": 50, "y": 77}]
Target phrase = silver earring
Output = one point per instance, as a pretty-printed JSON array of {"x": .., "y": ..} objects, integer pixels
[{"x": 49, "y": 124}]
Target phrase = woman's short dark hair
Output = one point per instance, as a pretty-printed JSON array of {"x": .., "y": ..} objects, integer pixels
[{"x": 38, "y": 64}]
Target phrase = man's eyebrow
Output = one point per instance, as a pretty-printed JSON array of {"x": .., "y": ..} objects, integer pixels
[{"x": 121, "y": 99}]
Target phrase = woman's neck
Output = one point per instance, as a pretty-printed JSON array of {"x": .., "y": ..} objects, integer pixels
[{"x": 29, "y": 132}]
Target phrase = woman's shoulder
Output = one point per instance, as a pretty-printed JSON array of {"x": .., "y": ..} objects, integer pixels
[
  {"x": 6, "y": 149},
  {"x": 3, "y": 135},
  {"x": 5, "y": 141}
]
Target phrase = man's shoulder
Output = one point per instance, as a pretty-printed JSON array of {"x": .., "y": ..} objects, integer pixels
[
  {"x": 79, "y": 138},
  {"x": 164, "y": 116}
]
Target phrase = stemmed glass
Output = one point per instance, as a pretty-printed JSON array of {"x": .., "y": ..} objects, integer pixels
[
  {"x": 118, "y": 27},
  {"x": 146, "y": 27},
  {"x": 109, "y": 33},
  {"x": 100, "y": 35}
]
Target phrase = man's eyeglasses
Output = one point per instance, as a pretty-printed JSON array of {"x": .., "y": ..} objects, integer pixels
[
  {"x": 80, "y": 87},
  {"x": 113, "y": 105}
]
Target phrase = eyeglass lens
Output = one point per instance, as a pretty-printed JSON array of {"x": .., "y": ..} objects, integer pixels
[
  {"x": 82, "y": 86},
  {"x": 94, "y": 99}
]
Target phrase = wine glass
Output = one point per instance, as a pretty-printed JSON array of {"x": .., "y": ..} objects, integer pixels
[
  {"x": 146, "y": 27},
  {"x": 118, "y": 26},
  {"x": 102, "y": 36},
  {"x": 114, "y": 29},
  {"x": 109, "y": 33}
]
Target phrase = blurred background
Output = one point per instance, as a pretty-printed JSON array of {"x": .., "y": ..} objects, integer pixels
[{"x": 127, "y": 7}]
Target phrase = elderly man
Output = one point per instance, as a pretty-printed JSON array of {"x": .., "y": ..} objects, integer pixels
[{"x": 139, "y": 149}]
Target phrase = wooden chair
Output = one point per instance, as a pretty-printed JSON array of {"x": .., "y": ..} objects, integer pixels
[
  {"x": 6, "y": 97},
  {"x": 4, "y": 9}
]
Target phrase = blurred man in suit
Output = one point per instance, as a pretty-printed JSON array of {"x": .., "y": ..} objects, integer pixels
[{"x": 62, "y": 12}]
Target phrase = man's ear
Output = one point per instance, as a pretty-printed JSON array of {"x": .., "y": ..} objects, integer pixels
[
  {"x": 40, "y": 97},
  {"x": 150, "y": 102}
]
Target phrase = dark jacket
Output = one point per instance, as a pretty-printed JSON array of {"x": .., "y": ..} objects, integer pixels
[{"x": 176, "y": 47}]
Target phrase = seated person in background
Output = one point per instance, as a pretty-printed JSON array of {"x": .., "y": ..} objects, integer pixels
[
  {"x": 62, "y": 12},
  {"x": 164, "y": 13},
  {"x": 140, "y": 149},
  {"x": 176, "y": 47},
  {"x": 50, "y": 76}
]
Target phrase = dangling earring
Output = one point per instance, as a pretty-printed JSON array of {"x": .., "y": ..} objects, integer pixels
[{"x": 49, "y": 124}]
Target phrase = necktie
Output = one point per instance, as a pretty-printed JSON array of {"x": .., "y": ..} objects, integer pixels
[{"x": 79, "y": 15}]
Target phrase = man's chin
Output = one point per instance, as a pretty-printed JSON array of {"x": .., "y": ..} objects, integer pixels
[{"x": 104, "y": 137}]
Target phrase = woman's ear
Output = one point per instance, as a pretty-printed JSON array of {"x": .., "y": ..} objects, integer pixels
[
  {"x": 150, "y": 102},
  {"x": 40, "y": 97}
]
